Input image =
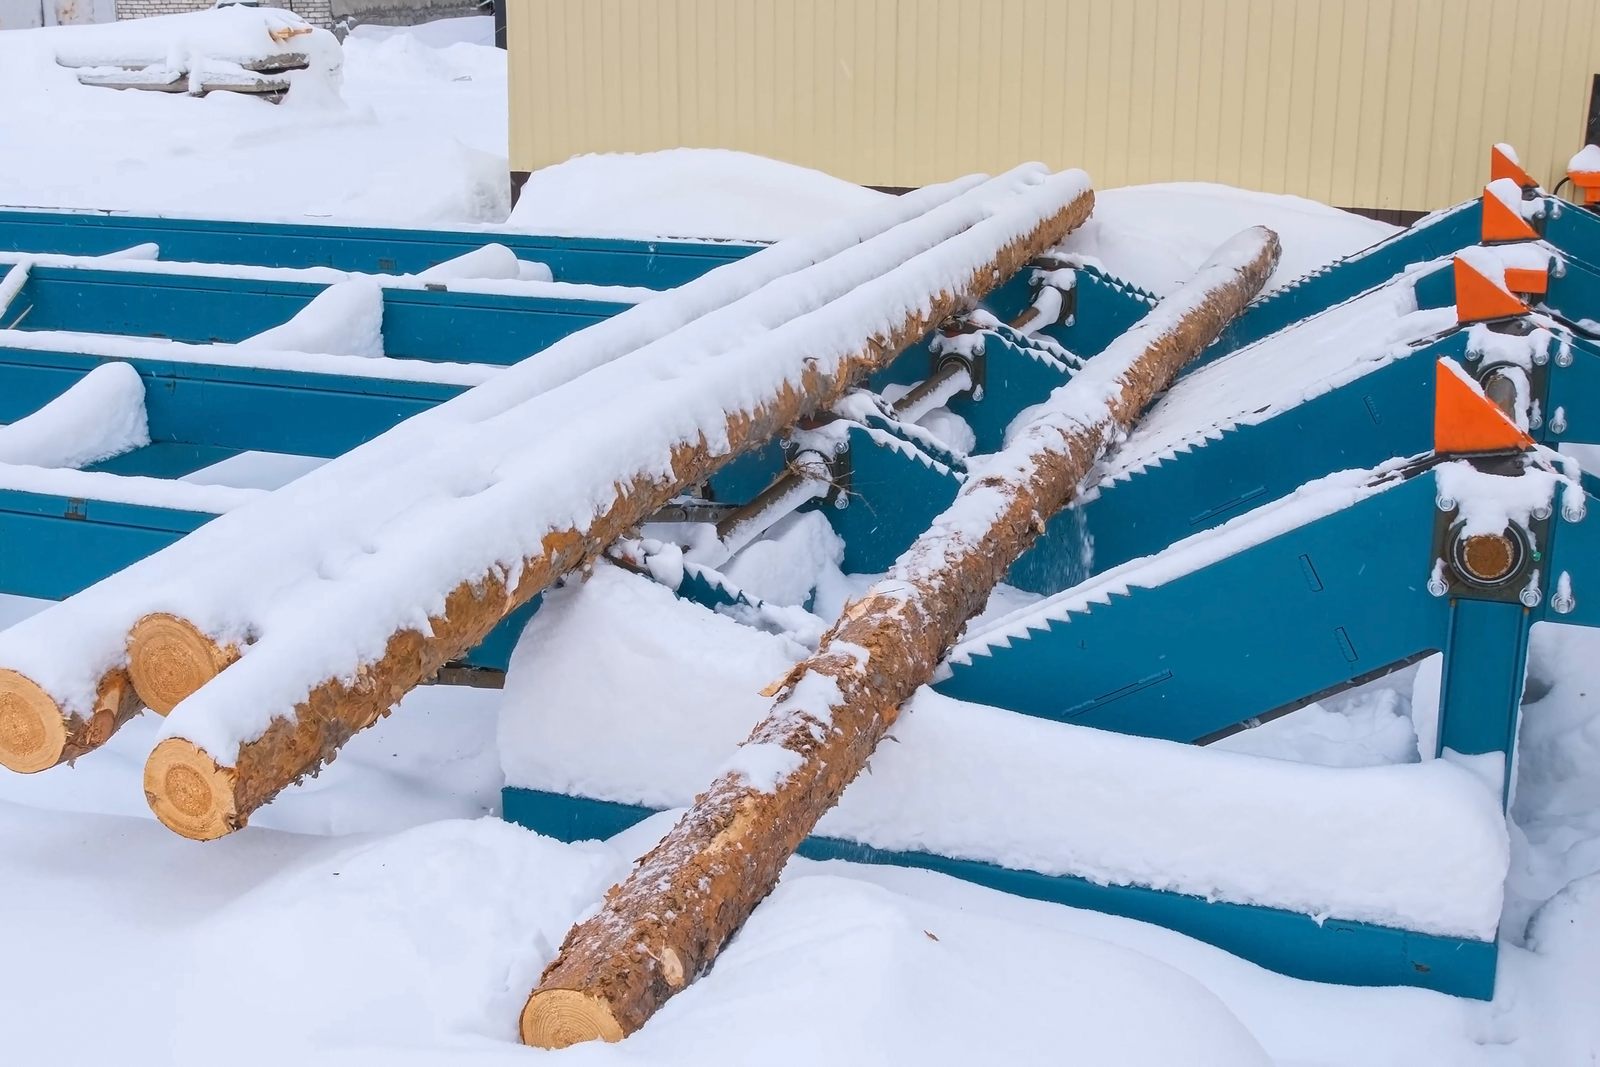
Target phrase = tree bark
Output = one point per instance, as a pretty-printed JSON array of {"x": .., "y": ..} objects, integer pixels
[
  {"x": 201, "y": 797},
  {"x": 667, "y": 922}
]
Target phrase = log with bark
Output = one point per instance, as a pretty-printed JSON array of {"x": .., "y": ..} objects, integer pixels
[
  {"x": 36, "y": 733},
  {"x": 225, "y": 755},
  {"x": 174, "y": 620},
  {"x": 666, "y": 923}
]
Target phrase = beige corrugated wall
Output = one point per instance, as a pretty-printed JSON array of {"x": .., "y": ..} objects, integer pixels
[{"x": 1363, "y": 103}]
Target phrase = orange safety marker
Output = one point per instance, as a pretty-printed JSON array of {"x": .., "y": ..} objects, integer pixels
[
  {"x": 1503, "y": 164},
  {"x": 1466, "y": 422},
  {"x": 1584, "y": 171},
  {"x": 1528, "y": 281},
  {"x": 1588, "y": 183},
  {"x": 1502, "y": 222},
  {"x": 1478, "y": 298}
]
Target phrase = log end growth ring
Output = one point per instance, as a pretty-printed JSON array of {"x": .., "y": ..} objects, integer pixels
[
  {"x": 189, "y": 793},
  {"x": 33, "y": 732},
  {"x": 556, "y": 1018},
  {"x": 169, "y": 659}
]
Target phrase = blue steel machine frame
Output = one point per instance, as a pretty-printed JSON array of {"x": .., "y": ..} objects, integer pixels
[{"x": 1264, "y": 629}]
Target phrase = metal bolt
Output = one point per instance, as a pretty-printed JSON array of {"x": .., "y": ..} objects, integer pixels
[
  {"x": 1444, "y": 503},
  {"x": 1540, "y": 357},
  {"x": 1558, "y": 421},
  {"x": 1564, "y": 356},
  {"x": 1563, "y": 603},
  {"x": 1437, "y": 586},
  {"x": 1575, "y": 511},
  {"x": 1530, "y": 596},
  {"x": 1542, "y": 512}
]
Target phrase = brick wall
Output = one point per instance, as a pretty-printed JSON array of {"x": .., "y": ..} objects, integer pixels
[{"x": 316, "y": 12}]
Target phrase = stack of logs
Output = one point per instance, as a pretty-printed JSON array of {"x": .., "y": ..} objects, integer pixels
[
  {"x": 921, "y": 262},
  {"x": 922, "y": 259},
  {"x": 685, "y": 899}
]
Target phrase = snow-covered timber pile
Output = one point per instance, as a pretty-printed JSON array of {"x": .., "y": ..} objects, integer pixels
[
  {"x": 340, "y": 593},
  {"x": 668, "y": 921}
]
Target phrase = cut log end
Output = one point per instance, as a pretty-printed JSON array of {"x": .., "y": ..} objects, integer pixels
[
  {"x": 189, "y": 792},
  {"x": 557, "y": 1018},
  {"x": 169, "y": 659},
  {"x": 33, "y": 730}
]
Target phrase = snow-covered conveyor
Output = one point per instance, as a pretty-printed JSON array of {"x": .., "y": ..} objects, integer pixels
[
  {"x": 472, "y": 487},
  {"x": 465, "y": 417}
]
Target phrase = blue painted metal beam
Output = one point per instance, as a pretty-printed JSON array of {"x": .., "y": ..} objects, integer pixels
[
  {"x": 1386, "y": 413},
  {"x": 232, "y": 408},
  {"x": 1318, "y": 950},
  {"x": 417, "y": 324},
  {"x": 1268, "y": 626},
  {"x": 1441, "y": 234},
  {"x": 52, "y": 547},
  {"x": 371, "y": 249}
]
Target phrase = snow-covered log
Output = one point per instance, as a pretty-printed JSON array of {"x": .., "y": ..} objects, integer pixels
[
  {"x": 668, "y": 921},
  {"x": 672, "y": 417},
  {"x": 36, "y": 734},
  {"x": 217, "y": 583}
]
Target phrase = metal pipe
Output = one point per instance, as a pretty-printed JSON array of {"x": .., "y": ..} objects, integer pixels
[
  {"x": 953, "y": 378},
  {"x": 807, "y": 478}
]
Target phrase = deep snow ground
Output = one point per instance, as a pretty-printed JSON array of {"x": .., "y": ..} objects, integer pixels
[{"x": 376, "y": 916}]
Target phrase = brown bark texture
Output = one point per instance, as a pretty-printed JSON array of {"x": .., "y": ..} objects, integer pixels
[
  {"x": 199, "y": 797},
  {"x": 667, "y": 921}
]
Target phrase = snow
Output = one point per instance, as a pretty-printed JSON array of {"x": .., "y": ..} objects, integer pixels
[
  {"x": 343, "y": 320},
  {"x": 370, "y": 916},
  {"x": 1297, "y": 837},
  {"x": 685, "y": 191},
  {"x": 378, "y": 481},
  {"x": 470, "y": 509},
  {"x": 1586, "y": 161},
  {"x": 231, "y": 34},
  {"x": 423, "y": 143},
  {"x": 1492, "y": 503},
  {"x": 101, "y": 416},
  {"x": 490, "y": 261},
  {"x": 1156, "y": 236},
  {"x": 1288, "y": 368}
]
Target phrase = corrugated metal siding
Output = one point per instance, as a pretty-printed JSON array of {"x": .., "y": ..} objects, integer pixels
[{"x": 1367, "y": 103}]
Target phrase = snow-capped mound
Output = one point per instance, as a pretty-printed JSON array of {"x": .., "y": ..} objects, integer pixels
[
  {"x": 1157, "y": 235},
  {"x": 684, "y": 192},
  {"x": 429, "y": 940}
]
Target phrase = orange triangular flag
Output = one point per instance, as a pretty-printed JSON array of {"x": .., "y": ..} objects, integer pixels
[
  {"x": 1465, "y": 421},
  {"x": 1502, "y": 165},
  {"x": 1501, "y": 222},
  {"x": 1478, "y": 298}
]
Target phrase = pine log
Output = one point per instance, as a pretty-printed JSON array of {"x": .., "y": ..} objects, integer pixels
[
  {"x": 201, "y": 796},
  {"x": 169, "y": 658},
  {"x": 36, "y": 733},
  {"x": 667, "y": 921}
]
